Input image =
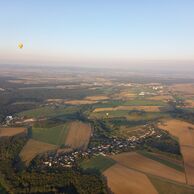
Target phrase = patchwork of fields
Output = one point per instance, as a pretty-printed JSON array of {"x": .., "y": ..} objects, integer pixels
[
  {"x": 185, "y": 133},
  {"x": 138, "y": 174},
  {"x": 73, "y": 134},
  {"x": 140, "y": 163}
]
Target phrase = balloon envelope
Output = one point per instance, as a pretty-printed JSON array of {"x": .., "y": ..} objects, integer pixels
[{"x": 20, "y": 45}]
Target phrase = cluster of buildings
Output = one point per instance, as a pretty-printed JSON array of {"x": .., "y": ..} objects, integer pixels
[{"x": 109, "y": 146}]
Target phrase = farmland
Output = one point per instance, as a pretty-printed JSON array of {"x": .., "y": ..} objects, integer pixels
[
  {"x": 50, "y": 111},
  {"x": 184, "y": 132},
  {"x": 53, "y": 135},
  {"x": 78, "y": 135},
  {"x": 8, "y": 132},
  {"x": 125, "y": 181},
  {"x": 164, "y": 186},
  {"x": 140, "y": 163},
  {"x": 33, "y": 148},
  {"x": 124, "y": 128},
  {"x": 100, "y": 163},
  {"x": 143, "y": 108}
]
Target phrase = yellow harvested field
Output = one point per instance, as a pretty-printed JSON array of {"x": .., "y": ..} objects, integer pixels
[
  {"x": 185, "y": 133},
  {"x": 8, "y": 132},
  {"x": 140, "y": 163},
  {"x": 95, "y": 98},
  {"x": 78, "y": 135},
  {"x": 79, "y": 102},
  {"x": 162, "y": 97},
  {"x": 144, "y": 108},
  {"x": 33, "y": 148},
  {"x": 122, "y": 180}
]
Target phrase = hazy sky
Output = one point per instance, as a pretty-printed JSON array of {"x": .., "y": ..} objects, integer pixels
[{"x": 97, "y": 32}]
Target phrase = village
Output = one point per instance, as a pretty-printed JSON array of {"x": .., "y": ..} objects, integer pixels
[{"x": 110, "y": 146}]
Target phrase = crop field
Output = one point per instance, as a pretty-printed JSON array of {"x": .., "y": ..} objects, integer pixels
[
  {"x": 78, "y": 135},
  {"x": 143, "y": 164},
  {"x": 49, "y": 112},
  {"x": 126, "y": 132},
  {"x": 190, "y": 103},
  {"x": 185, "y": 133},
  {"x": 8, "y": 132},
  {"x": 183, "y": 88},
  {"x": 161, "y": 98},
  {"x": 135, "y": 116},
  {"x": 122, "y": 180},
  {"x": 96, "y": 98},
  {"x": 53, "y": 135},
  {"x": 124, "y": 95},
  {"x": 188, "y": 154},
  {"x": 168, "y": 162},
  {"x": 33, "y": 148},
  {"x": 165, "y": 186},
  {"x": 80, "y": 102},
  {"x": 139, "y": 108},
  {"x": 135, "y": 102},
  {"x": 180, "y": 129},
  {"x": 100, "y": 163}
]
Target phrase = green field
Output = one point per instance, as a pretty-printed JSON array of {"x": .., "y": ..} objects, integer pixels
[
  {"x": 49, "y": 111},
  {"x": 164, "y": 186},
  {"x": 53, "y": 135},
  {"x": 100, "y": 163},
  {"x": 128, "y": 115},
  {"x": 163, "y": 161}
]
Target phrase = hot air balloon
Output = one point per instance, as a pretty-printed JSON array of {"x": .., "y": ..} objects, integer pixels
[{"x": 20, "y": 45}]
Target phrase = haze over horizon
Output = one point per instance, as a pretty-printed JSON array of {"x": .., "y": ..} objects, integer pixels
[{"x": 142, "y": 34}]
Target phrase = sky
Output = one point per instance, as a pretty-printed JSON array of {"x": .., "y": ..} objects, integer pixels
[{"x": 104, "y": 33}]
